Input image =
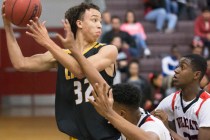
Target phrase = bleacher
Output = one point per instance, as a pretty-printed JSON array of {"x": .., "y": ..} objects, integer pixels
[{"x": 159, "y": 43}]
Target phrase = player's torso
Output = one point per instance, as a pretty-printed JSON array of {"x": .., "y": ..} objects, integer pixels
[
  {"x": 75, "y": 115},
  {"x": 186, "y": 118}
]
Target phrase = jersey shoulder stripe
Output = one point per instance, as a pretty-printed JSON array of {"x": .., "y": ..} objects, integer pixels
[
  {"x": 173, "y": 99},
  {"x": 204, "y": 96}
]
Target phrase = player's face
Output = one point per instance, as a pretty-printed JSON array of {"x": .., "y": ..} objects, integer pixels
[
  {"x": 184, "y": 74},
  {"x": 91, "y": 25}
]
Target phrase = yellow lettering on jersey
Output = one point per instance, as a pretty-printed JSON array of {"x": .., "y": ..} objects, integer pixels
[{"x": 69, "y": 75}]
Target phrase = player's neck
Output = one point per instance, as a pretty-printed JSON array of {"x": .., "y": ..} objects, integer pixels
[
  {"x": 83, "y": 45},
  {"x": 136, "y": 115},
  {"x": 190, "y": 92}
]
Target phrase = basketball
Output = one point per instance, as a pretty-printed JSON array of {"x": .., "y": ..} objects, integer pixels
[{"x": 20, "y": 12}]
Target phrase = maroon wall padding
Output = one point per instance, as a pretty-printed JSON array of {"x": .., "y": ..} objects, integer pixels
[{"x": 13, "y": 82}]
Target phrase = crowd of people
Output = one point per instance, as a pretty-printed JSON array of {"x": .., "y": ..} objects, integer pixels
[{"x": 129, "y": 35}]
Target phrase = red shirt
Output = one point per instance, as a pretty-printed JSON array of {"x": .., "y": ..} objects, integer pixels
[{"x": 202, "y": 27}]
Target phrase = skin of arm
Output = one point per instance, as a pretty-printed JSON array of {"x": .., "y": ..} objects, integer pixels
[
  {"x": 104, "y": 107},
  {"x": 204, "y": 133},
  {"x": 35, "y": 63}
]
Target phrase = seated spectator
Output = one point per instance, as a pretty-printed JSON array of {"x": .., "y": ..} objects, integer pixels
[
  {"x": 127, "y": 39},
  {"x": 202, "y": 27},
  {"x": 170, "y": 62},
  {"x": 187, "y": 9},
  {"x": 155, "y": 11},
  {"x": 157, "y": 90},
  {"x": 123, "y": 54},
  {"x": 136, "y": 30},
  {"x": 171, "y": 6},
  {"x": 106, "y": 22},
  {"x": 197, "y": 47},
  {"x": 137, "y": 80}
]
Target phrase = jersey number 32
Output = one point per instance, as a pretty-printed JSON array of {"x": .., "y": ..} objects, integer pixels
[{"x": 78, "y": 91}]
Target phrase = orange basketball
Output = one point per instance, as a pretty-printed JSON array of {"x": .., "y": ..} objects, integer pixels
[{"x": 19, "y": 12}]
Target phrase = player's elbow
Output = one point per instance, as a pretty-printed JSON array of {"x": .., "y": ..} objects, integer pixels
[
  {"x": 19, "y": 67},
  {"x": 80, "y": 75}
]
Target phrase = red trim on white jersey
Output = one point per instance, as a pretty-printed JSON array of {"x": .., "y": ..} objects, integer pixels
[
  {"x": 173, "y": 100},
  {"x": 203, "y": 96}
]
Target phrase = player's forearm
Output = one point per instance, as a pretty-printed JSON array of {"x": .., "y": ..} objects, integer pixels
[
  {"x": 65, "y": 59},
  {"x": 14, "y": 50},
  {"x": 175, "y": 135},
  {"x": 88, "y": 69},
  {"x": 130, "y": 131}
]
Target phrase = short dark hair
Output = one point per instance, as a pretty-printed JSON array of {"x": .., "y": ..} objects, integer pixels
[
  {"x": 115, "y": 17},
  {"x": 127, "y": 94},
  {"x": 75, "y": 13},
  {"x": 198, "y": 63}
]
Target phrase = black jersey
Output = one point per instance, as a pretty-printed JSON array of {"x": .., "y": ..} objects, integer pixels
[{"x": 75, "y": 116}]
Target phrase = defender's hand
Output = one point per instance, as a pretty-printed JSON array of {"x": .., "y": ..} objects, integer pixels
[
  {"x": 68, "y": 42},
  {"x": 39, "y": 32},
  {"x": 103, "y": 100}
]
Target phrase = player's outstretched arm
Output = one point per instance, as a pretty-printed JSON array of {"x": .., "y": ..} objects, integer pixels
[
  {"x": 103, "y": 104},
  {"x": 36, "y": 63}
]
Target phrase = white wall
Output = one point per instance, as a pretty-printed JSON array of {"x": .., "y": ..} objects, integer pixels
[{"x": 53, "y": 11}]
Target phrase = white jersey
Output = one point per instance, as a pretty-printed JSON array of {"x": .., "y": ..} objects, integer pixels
[
  {"x": 148, "y": 122},
  {"x": 188, "y": 116}
]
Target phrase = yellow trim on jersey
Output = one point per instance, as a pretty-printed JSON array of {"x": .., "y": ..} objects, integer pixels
[
  {"x": 67, "y": 51},
  {"x": 92, "y": 46},
  {"x": 99, "y": 44},
  {"x": 71, "y": 138}
]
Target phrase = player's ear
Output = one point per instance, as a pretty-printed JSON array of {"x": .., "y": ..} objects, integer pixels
[
  {"x": 123, "y": 113},
  {"x": 197, "y": 75},
  {"x": 79, "y": 24}
]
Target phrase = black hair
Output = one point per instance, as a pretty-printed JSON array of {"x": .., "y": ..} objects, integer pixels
[
  {"x": 115, "y": 17},
  {"x": 127, "y": 94},
  {"x": 198, "y": 63},
  {"x": 205, "y": 9},
  {"x": 126, "y": 14},
  {"x": 76, "y": 13}
]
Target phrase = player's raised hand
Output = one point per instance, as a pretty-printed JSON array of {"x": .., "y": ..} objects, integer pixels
[
  {"x": 39, "y": 32},
  {"x": 68, "y": 41},
  {"x": 5, "y": 20},
  {"x": 103, "y": 99}
]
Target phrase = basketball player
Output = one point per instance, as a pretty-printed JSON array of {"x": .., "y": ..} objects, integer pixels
[
  {"x": 127, "y": 101},
  {"x": 74, "y": 114},
  {"x": 189, "y": 107}
]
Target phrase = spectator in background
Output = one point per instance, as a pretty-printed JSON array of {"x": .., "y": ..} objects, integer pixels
[
  {"x": 187, "y": 9},
  {"x": 128, "y": 40},
  {"x": 197, "y": 46},
  {"x": 171, "y": 6},
  {"x": 123, "y": 54},
  {"x": 202, "y": 27},
  {"x": 137, "y": 80},
  {"x": 155, "y": 11},
  {"x": 106, "y": 23},
  {"x": 170, "y": 62},
  {"x": 157, "y": 91},
  {"x": 136, "y": 30}
]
